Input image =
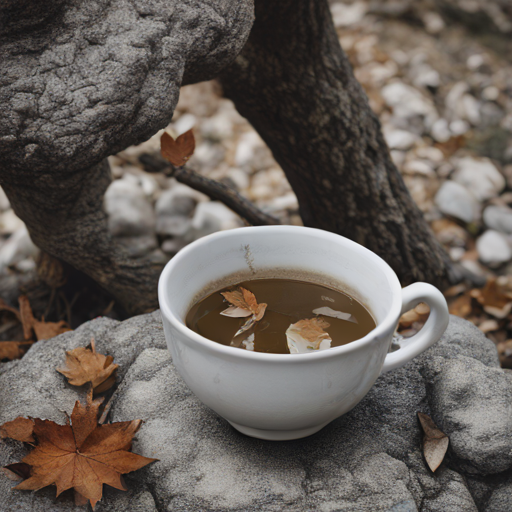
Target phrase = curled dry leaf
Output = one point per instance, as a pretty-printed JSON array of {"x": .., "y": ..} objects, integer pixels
[
  {"x": 461, "y": 306},
  {"x": 86, "y": 365},
  {"x": 308, "y": 335},
  {"x": 13, "y": 349},
  {"x": 243, "y": 304},
  {"x": 17, "y": 471},
  {"x": 20, "y": 429},
  {"x": 178, "y": 151},
  {"x": 326, "y": 311},
  {"x": 83, "y": 455},
  {"x": 435, "y": 442},
  {"x": 43, "y": 330}
]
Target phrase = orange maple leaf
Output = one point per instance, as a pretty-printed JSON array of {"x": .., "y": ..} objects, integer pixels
[
  {"x": 20, "y": 429},
  {"x": 243, "y": 304},
  {"x": 178, "y": 151},
  {"x": 85, "y": 365},
  {"x": 83, "y": 455},
  {"x": 245, "y": 300}
]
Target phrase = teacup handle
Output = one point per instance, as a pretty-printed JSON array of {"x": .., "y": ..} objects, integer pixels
[{"x": 433, "y": 329}]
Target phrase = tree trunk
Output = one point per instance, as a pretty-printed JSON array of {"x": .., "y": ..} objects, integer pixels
[
  {"x": 65, "y": 217},
  {"x": 294, "y": 83}
]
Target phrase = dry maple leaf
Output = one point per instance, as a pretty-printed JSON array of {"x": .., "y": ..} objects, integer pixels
[
  {"x": 83, "y": 455},
  {"x": 461, "y": 306},
  {"x": 178, "y": 151},
  {"x": 13, "y": 349},
  {"x": 308, "y": 335},
  {"x": 86, "y": 365},
  {"x": 245, "y": 300},
  {"x": 43, "y": 330},
  {"x": 243, "y": 303},
  {"x": 20, "y": 429},
  {"x": 435, "y": 442}
]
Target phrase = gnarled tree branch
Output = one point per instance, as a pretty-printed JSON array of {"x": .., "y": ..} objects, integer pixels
[{"x": 294, "y": 83}]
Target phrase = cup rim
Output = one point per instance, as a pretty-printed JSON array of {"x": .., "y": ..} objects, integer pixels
[{"x": 220, "y": 349}]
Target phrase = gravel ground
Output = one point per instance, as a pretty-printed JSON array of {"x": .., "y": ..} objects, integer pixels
[{"x": 443, "y": 95}]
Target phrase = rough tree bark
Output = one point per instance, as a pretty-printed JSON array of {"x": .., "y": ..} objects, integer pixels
[
  {"x": 295, "y": 85},
  {"x": 82, "y": 80},
  {"x": 65, "y": 218}
]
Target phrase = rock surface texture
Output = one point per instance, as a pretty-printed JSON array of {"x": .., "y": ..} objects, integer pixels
[{"x": 368, "y": 460}]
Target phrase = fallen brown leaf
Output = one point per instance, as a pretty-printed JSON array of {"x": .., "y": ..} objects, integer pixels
[
  {"x": 178, "y": 151},
  {"x": 435, "y": 442},
  {"x": 20, "y": 429},
  {"x": 495, "y": 297},
  {"x": 461, "y": 306},
  {"x": 17, "y": 471},
  {"x": 307, "y": 335},
  {"x": 83, "y": 455},
  {"x": 13, "y": 349},
  {"x": 86, "y": 365},
  {"x": 43, "y": 330}
]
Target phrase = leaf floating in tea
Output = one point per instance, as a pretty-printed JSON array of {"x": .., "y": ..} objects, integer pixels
[
  {"x": 244, "y": 299},
  {"x": 326, "y": 311},
  {"x": 243, "y": 304},
  {"x": 235, "y": 312},
  {"x": 308, "y": 335},
  {"x": 435, "y": 442}
]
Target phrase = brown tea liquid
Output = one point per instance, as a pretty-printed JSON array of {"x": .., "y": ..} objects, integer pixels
[{"x": 288, "y": 301}]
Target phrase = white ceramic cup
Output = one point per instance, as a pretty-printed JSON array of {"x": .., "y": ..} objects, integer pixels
[{"x": 289, "y": 396}]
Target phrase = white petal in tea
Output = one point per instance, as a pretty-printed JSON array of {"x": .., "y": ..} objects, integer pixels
[
  {"x": 326, "y": 311},
  {"x": 308, "y": 336},
  {"x": 235, "y": 312}
]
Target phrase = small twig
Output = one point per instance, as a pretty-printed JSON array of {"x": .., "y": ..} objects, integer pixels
[
  {"x": 50, "y": 302},
  {"x": 75, "y": 297},
  {"x": 106, "y": 409},
  {"x": 227, "y": 195},
  {"x": 67, "y": 306}
]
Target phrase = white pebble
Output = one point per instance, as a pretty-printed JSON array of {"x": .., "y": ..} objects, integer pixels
[{"x": 493, "y": 248}]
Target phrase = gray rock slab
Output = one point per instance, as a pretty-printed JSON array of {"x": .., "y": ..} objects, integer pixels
[
  {"x": 500, "y": 499},
  {"x": 368, "y": 460}
]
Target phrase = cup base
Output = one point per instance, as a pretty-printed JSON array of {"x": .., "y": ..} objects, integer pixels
[{"x": 277, "y": 435}]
